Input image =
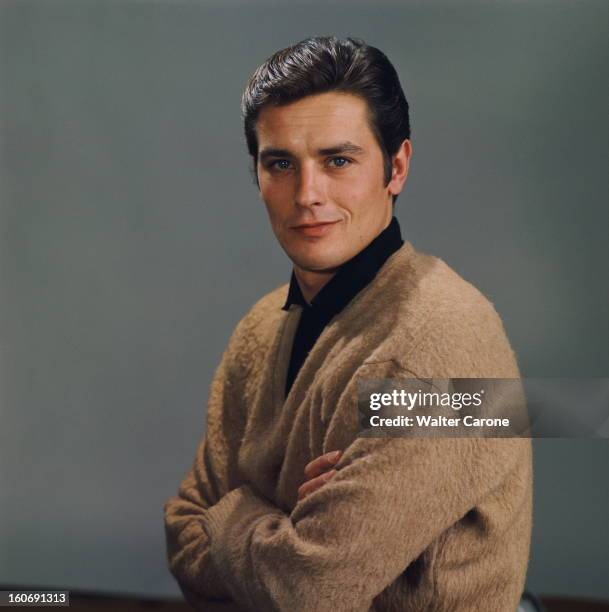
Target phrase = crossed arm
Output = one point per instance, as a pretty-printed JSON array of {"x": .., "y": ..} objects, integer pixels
[
  {"x": 316, "y": 474},
  {"x": 344, "y": 542}
]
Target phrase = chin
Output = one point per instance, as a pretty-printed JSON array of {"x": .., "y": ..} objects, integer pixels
[{"x": 317, "y": 261}]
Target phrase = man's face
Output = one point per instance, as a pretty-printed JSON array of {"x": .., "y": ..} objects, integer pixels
[{"x": 320, "y": 171}]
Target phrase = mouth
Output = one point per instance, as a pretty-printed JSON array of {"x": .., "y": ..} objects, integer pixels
[{"x": 315, "y": 229}]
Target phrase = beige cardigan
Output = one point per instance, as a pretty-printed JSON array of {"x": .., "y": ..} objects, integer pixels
[{"x": 406, "y": 523}]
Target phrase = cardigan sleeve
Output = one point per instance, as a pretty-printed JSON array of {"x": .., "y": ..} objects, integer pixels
[
  {"x": 346, "y": 542},
  {"x": 214, "y": 472}
]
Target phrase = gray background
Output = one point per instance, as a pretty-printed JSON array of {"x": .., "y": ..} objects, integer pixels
[{"x": 132, "y": 240}]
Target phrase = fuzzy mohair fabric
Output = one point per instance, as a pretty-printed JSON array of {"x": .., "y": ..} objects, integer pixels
[{"x": 406, "y": 524}]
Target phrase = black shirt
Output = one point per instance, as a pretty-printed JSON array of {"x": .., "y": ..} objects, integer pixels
[{"x": 350, "y": 279}]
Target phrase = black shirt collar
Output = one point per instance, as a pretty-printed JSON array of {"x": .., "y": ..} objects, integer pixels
[{"x": 352, "y": 276}]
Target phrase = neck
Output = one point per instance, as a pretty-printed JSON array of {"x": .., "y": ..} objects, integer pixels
[{"x": 312, "y": 281}]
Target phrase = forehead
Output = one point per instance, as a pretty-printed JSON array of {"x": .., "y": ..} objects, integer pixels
[{"x": 315, "y": 121}]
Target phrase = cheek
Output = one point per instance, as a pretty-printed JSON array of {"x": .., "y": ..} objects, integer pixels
[
  {"x": 276, "y": 202},
  {"x": 273, "y": 190},
  {"x": 357, "y": 189}
]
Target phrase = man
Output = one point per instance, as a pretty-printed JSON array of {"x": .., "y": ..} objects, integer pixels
[{"x": 286, "y": 507}]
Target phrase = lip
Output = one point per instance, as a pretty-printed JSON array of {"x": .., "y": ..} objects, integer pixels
[{"x": 315, "y": 229}]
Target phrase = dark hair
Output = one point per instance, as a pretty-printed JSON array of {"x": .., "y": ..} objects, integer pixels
[{"x": 322, "y": 64}]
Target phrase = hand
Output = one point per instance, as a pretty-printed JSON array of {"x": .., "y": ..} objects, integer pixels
[{"x": 316, "y": 474}]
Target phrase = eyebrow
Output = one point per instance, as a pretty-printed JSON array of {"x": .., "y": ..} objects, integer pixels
[{"x": 343, "y": 147}]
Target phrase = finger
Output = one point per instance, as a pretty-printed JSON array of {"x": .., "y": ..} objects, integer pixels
[
  {"x": 316, "y": 483},
  {"x": 312, "y": 485},
  {"x": 321, "y": 464}
]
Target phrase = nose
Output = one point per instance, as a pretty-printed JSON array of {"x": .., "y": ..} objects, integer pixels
[{"x": 309, "y": 186}]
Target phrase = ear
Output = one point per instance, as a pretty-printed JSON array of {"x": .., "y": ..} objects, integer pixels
[
  {"x": 400, "y": 164},
  {"x": 254, "y": 173}
]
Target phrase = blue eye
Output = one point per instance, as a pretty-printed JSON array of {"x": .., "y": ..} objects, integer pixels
[
  {"x": 340, "y": 162},
  {"x": 281, "y": 164}
]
